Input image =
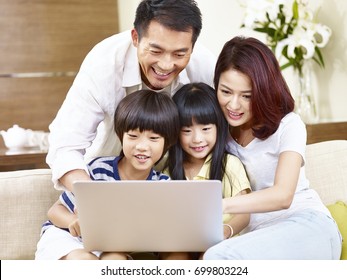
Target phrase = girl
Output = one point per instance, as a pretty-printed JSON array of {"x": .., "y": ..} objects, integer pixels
[
  {"x": 146, "y": 122},
  {"x": 200, "y": 153},
  {"x": 289, "y": 220}
]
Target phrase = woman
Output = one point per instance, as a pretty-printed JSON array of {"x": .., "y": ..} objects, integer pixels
[{"x": 288, "y": 219}]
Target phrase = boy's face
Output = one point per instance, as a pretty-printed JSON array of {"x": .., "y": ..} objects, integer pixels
[
  {"x": 142, "y": 149},
  {"x": 162, "y": 54}
]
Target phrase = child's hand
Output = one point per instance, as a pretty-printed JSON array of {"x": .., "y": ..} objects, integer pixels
[{"x": 74, "y": 228}]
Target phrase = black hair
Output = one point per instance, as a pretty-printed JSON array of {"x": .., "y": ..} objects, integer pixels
[
  {"x": 178, "y": 15},
  {"x": 198, "y": 102},
  {"x": 148, "y": 110}
]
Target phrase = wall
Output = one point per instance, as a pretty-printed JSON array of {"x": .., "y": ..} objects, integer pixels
[
  {"x": 42, "y": 44},
  {"x": 222, "y": 20}
]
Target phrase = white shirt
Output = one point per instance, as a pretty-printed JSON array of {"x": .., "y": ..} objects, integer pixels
[
  {"x": 83, "y": 128},
  {"x": 260, "y": 158}
]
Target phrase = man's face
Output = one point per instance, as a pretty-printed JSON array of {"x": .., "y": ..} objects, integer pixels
[{"x": 162, "y": 54}]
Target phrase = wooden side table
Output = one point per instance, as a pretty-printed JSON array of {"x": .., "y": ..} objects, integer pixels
[
  {"x": 22, "y": 159},
  {"x": 326, "y": 131}
]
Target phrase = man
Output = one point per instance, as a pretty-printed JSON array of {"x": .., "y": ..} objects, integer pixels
[{"x": 156, "y": 54}]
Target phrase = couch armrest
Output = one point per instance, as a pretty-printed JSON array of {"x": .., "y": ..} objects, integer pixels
[
  {"x": 25, "y": 197},
  {"x": 326, "y": 168}
]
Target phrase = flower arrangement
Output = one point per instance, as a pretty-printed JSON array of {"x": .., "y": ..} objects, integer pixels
[{"x": 291, "y": 30}]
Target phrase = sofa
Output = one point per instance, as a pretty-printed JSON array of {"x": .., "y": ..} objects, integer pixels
[{"x": 26, "y": 195}]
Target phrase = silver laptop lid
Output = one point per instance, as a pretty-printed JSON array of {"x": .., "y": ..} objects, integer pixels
[{"x": 157, "y": 216}]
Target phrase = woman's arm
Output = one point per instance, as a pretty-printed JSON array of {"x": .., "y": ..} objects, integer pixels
[
  {"x": 238, "y": 222},
  {"x": 277, "y": 197}
]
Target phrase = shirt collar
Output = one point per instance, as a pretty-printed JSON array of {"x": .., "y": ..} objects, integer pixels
[
  {"x": 204, "y": 173},
  {"x": 116, "y": 175},
  {"x": 131, "y": 73}
]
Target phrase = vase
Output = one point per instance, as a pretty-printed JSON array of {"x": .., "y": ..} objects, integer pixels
[{"x": 305, "y": 104}]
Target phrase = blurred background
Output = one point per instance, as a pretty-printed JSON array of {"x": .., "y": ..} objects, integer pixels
[
  {"x": 42, "y": 44},
  {"x": 222, "y": 20}
]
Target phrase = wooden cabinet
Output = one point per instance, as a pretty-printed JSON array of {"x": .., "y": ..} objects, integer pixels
[
  {"x": 24, "y": 159},
  {"x": 42, "y": 45},
  {"x": 326, "y": 131}
]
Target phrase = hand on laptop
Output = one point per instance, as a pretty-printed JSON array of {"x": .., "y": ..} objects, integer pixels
[{"x": 74, "y": 226}]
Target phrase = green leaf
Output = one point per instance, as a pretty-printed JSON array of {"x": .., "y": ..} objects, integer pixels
[
  {"x": 320, "y": 57},
  {"x": 284, "y": 66},
  {"x": 295, "y": 10},
  {"x": 281, "y": 16},
  {"x": 268, "y": 17},
  {"x": 317, "y": 61},
  {"x": 269, "y": 31}
]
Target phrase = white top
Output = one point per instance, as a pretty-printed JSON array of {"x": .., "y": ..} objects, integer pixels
[
  {"x": 83, "y": 128},
  {"x": 260, "y": 158}
]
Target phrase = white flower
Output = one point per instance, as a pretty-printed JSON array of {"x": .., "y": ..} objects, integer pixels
[
  {"x": 321, "y": 34},
  {"x": 291, "y": 30},
  {"x": 256, "y": 11},
  {"x": 299, "y": 39}
]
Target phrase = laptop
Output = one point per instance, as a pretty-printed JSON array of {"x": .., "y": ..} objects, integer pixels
[{"x": 149, "y": 216}]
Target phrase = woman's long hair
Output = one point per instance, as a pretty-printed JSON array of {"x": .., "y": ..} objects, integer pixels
[{"x": 271, "y": 99}]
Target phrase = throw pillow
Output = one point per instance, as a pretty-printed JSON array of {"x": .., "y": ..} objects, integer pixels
[{"x": 339, "y": 212}]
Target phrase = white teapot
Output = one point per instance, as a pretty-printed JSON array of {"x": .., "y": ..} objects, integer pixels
[{"x": 16, "y": 137}]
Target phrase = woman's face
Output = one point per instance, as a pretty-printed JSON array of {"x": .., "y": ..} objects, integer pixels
[{"x": 234, "y": 96}]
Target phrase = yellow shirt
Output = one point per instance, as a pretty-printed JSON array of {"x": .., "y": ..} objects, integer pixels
[{"x": 235, "y": 178}]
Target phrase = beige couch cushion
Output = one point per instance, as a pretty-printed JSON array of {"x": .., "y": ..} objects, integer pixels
[
  {"x": 326, "y": 168},
  {"x": 20, "y": 227}
]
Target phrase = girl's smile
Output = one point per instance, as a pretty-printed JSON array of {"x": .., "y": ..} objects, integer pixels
[{"x": 198, "y": 140}]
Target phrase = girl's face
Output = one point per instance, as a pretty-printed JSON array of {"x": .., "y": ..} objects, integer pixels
[
  {"x": 142, "y": 149},
  {"x": 234, "y": 96},
  {"x": 198, "y": 140}
]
